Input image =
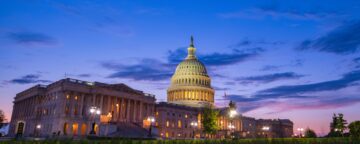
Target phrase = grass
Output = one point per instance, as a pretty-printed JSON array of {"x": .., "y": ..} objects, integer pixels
[{"x": 239, "y": 141}]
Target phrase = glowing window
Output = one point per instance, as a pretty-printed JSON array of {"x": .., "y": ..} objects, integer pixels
[
  {"x": 167, "y": 123},
  {"x": 179, "y": 123}
]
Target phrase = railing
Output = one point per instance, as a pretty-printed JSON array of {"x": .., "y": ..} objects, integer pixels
[
  {"x": 80, "y": 81},
  {"x": 149, "y": 95}
]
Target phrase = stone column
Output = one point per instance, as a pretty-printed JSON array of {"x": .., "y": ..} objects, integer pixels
[
  {"x": 128, "y": 110},
  {"x": 108, "y": 106},
  {"x": 135, "y": 111},
  {"x": 140, "y": 111},
  {"x": 81, "y": 104},
  {"x": 101, "y": 104},
  {"x": 121, "y": 113}
]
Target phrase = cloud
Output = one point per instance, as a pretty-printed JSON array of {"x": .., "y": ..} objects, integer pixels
[
  {"x": 247, "y": 42},
  {"x": 288, "y": 103},
  {"x": 220, "y": 88},
  {"x": 320, "y": 103},
  {"x": 270, "y": 68},
  {"x": 270, "y": 77},
  {"x": 347, "y": 79},
  {"x": 146, "y": 69},
  {"x": 357, "y": 62},
  {"x": 31, "y": 38},
  {"x": 28, "y": 79},
  {"x": 276, "y": 12},
  {"x": 344, "y": 39},
  {"x": 155, "y": 70},
  {"x": 216, "y": 59},
  {"x": 84, "y": 75},
  {"x": 306, "y": 96},
  {"x": 293, "y": 63}
]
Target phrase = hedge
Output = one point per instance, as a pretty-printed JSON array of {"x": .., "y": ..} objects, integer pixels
[{"x": 239, "y": 141}]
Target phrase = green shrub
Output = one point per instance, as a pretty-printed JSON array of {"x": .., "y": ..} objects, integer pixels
[{"x": 217, "y": 141}]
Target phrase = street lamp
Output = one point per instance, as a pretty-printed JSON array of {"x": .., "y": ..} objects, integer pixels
[
  {"x": 232, "y": 114},
  {"x": 94, "y": 111},
  {"x": 266, "y": 129},
  {"x": 231, "y": 127},
  {"x": 38, "y": 127},
  {"x": 194, "y": 125},
  {"x": 300, "y": 131},
  {"x": 151, "y": 120}
]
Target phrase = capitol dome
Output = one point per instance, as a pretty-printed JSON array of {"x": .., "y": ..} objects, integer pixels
[{"x": 190, "y": 84}]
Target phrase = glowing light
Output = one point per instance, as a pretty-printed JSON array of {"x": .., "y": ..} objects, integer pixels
[
  {"x": 265, "y": 128},
  {"x": 232, "y": 113}
]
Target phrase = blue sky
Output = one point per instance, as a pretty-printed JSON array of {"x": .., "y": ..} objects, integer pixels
[{"x": 276, "y": 59}]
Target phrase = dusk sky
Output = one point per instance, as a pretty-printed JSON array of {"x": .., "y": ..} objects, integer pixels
[{"x": 277, "y": 59}]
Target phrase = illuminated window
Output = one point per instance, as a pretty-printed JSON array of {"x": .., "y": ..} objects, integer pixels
[
  {"x": 75, "y": 111},
  {"x": 179, "y": 123},
  {"x": 167, "y": 123},
  {"x": 67, "y": 96},
  {"x": 157, "y": 113},
  {"x": 66, "y": 110},
  {"x": 76, "y": 97},
  {"x": 166, "y": 134},
  {"x": 186, "y": 116}
]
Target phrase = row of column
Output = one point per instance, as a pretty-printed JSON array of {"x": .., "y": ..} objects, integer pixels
[
  {"x": 193, "y": 81},
  {"x": 121, "y": 109},
  {"x": 24, "y": 108},
  {"x": 190, "y": 95}
]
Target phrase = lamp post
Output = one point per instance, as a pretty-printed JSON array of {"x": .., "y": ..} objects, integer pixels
[
  {"x": 266, "y": 130},
  {"x": 151, "y": 120},
  {"x": 94, "y": 111},
  {"x": 300, "y": 131},
  {"x": 194, "y": 125},
  {"x": 38, "y": 127},
  {"x": 232, "y": 114},
  {"x": 231, "y": 127}
]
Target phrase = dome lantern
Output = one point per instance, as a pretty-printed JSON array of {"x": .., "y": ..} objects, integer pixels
[{"x": 191, "y": 49}]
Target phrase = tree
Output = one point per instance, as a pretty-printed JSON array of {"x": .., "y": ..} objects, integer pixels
[
  {"x": 355, "y": 129},
  {"x": 341, "y": 123},
  {"x": 2, "y": 118},
  {"x": 209, "y": 119},
  {"x": 337, "y": 126},
  {"x": 309, "y": 133}
]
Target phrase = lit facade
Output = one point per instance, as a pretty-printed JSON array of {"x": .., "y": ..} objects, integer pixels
[
  {"x": 62, "y": 108},
  {"x": 190, "y": 84}
]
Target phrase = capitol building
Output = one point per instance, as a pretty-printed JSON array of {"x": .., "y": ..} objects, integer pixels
[{"x": 76, "y": 108}]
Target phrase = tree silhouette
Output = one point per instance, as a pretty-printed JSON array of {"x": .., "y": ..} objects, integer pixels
[
  {"x": 337, "y": 126},
  {"x": 2, "y": 118},
  {"x": 309, "y": 133},
  {"x": 355, "y": 129}
]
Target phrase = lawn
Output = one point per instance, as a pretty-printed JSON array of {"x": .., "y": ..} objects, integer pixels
[{"x": 240, "y": 141}]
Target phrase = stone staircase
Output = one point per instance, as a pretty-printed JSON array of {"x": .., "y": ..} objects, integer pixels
[{"x": 129, "y": 130}]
